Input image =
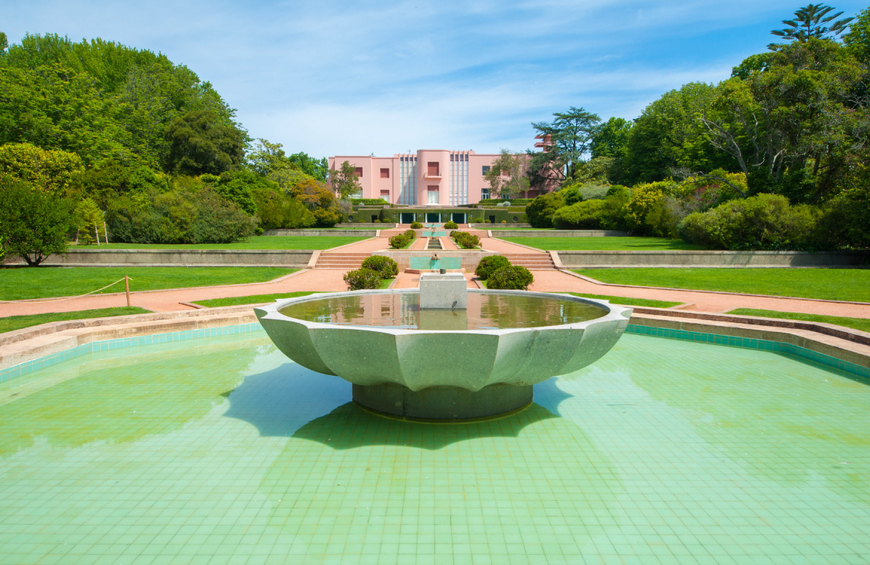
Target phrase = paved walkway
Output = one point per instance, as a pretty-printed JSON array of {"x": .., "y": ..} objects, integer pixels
[
  {"x": 558, "y": 281},
  {"x": 331, "y": 280}
]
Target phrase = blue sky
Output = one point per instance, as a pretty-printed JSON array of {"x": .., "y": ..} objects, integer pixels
[{"x": 355, "y": 78}]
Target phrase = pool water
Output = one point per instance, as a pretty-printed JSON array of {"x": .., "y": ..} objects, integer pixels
[{"x": 220, "y": 450}]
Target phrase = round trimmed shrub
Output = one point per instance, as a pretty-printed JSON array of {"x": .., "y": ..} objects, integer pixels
[
  {"x": 451, "y": 225},
  {"x": 513, "y": 277},
  {"x": 386, "y": 266},
  {"x": 465, "y": 240},
  {"x": 416, "y": 226},
  {"x": 399, "y": 241},
  {"x": 410, "y": 234},
  {"x": 488, "y": 265},
  {"x": 362, "y": 279}
]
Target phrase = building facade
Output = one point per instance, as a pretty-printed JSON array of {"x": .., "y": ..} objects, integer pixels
[{"x": 429, "y": 177}]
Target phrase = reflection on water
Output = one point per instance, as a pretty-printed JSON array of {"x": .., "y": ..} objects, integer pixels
[{"x": 485, "y": 311}]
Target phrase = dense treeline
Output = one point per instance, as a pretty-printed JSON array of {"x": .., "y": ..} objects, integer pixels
[
  {"x": 775, "y": 157},
  {"x": 142, "y": 146}
]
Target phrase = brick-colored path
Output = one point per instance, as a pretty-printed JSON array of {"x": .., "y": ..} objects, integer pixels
[
  {"x": 557, "y": 281},
  {"x": 330, "y": 280}
]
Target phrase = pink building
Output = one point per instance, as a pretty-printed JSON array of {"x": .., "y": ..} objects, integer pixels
[{"x": 435, "y": 177}]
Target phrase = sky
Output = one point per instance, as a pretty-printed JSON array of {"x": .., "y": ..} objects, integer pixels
[{"x": 372, "y": 77}]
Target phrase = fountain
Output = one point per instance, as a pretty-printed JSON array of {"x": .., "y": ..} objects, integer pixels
[{"x": 443, "y": 352}]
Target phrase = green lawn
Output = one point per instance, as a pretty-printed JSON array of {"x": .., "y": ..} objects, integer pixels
[
  {"x": 826, "y": 284},
  {"x": 307, "y": 242},
  {"x": 603, "y": 243},
  {"x": 862, "y": 324},
  {"x": 624, "y": 301},
  {"x": 254, "y": 299},
  {"x": 44, "y": 282},
  {"x": 502, "y": 227},
  {"x": 11, "y": 323}
]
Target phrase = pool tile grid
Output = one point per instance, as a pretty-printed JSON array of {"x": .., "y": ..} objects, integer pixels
[
  {"x": 634, "y": 460},
  {"x": 122, "y": 343},
  {"x": 627, "y": 473},
  {"x": 750, "y": 343}
]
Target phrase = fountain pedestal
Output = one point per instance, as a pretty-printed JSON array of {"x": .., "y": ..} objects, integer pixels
[
  {"x": 443, "y": 292},
  {"x": 442, "y": 402}
]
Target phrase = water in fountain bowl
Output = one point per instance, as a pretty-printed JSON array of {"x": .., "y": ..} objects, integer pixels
[{"x": 484, "y": 312}]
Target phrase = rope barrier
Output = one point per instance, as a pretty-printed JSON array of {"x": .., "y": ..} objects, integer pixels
[{"x": 65, "y": 297}]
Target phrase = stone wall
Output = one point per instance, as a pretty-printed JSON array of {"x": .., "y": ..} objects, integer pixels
[
  {"x": 600, "y": 259},
  {"x": 553, "y": 233},
  {"x": 175, "y": 258}
]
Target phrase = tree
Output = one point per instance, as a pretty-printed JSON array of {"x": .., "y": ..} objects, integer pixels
[
  {"x": 266, "y": 158},
  {"x": 508, "y": 175},
  {"x": 91, "y": 224},
  {"x": 345, "y": 181},
  {"x": 568, "y": 138},
  {"x": 611, "y": 139},
  {"x": 33, "y": 224},
  {"x": 200, "y": 142},
  {"x": 59, "y": 172},
  {"x": 809, "y": 22},
  {"x": 667, "y": 134},
  {"x": 794, "y": 127},
  {"x": 320, "y": 201},
  {"x": 315, "y": 168},
  {"x": 858, "y": 38}
]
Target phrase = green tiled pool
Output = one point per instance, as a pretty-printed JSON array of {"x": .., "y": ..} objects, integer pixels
[{"x": 218, "y": 450}]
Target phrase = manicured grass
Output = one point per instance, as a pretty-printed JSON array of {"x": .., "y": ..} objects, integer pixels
[
  {"x": 385, "y": 283},
  {"x": 862, "y": 324},
  {"x": 45, "y": 282},
  {"x": 12, "y": 323},
  {"x": 603, "y": 243},
  {"x": 510, "y": 228},
  {"x": 625, "y": 301},
  {"x": 825, "y": 284},
  {"x": 306, "y": 242},
  {"x": 254, "y": 299}
]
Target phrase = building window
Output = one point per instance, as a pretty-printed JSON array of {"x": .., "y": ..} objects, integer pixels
[
  {"x": 486, "y": 169},
  {"x": 484, "y": 193},
  {"x": 385, "y": 173},
  {"x": 433, "y": 169},
  {"x": 358, "y": 172}
]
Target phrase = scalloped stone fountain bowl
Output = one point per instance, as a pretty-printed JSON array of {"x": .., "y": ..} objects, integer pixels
[{"x": 443, "y": 364}]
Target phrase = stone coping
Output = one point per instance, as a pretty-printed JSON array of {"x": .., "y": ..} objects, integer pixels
[{"x": 34, "y": 343}]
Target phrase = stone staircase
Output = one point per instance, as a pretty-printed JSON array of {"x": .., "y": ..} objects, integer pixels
[
  {"x": 531, "y": 261},
  {"x": 346, "y": 261}
]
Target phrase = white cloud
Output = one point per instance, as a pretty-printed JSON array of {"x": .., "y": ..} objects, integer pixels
[{"x": 356, "y": 77}]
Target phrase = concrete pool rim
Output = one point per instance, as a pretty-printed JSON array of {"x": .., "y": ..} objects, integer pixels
[{"x": 27, "y": 350}]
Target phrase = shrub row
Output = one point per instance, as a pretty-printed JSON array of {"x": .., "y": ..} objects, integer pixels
[
  {"x": 402, "y": 240},
  {"x": 374, "y": 269},
  {"x": 490, "y": 264},
  {"x": 500, "y": 274},
  {"x": 764, "y": 221},
  {"x": 465, "y": 240}
]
